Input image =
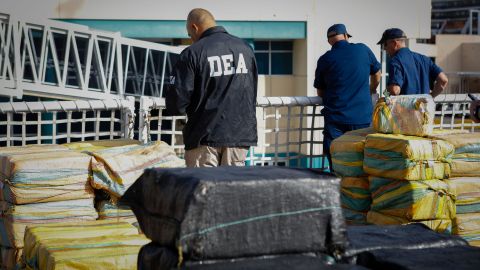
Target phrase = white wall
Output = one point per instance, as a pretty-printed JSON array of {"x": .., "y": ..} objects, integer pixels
[{"x": 365, "y": 19}]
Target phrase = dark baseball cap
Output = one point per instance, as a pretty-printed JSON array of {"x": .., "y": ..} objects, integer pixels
[
  {"x": 337, "y": 29},
  {"x": 392, "y": 33}
]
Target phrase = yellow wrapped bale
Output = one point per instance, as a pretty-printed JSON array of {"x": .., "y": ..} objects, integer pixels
[
  {"x": 407, "y": 115},
  {"x": 109, "y": 210},
  {"x": 438, "y": 225},
  {"x": 34, "y": 235},
  {"x": 466, "y": 158},
  {"x": 407, "y": 157},
  {"x": 106, "y": 252},
  {"x": 116, "y": 169},
  {"x": 15, "y": 218},
  {"x": 412, "y": 200},
  {"x": 468, "y": 227},
  {"x": 355, "y": 193},
  {"x": 468, "y": 194},
  {"x": 44, "y": 176},
  {"x": 99, "y": 145},
  {"x": 347, "y": 152}
]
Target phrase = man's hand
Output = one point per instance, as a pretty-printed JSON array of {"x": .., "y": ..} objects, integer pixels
[
  {"x": 393, "y": 89},
  {"x": 440, "y": 84}
]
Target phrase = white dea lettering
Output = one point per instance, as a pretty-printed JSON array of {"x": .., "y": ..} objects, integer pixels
[{"x": 223, "y": 65}]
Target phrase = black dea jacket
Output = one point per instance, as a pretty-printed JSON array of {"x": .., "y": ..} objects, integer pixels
[{"x": 215, "y": 83}]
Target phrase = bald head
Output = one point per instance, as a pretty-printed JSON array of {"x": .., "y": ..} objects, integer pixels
[{"x": 198, "y": 21}]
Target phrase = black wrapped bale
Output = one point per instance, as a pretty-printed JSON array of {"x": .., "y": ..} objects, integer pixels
[
  {"x": 411, "y": 236},
  {"x": 229, "y": 212},
  {"x": 458, "y": 258},
  {"x": 281, "y": 262},
  {"x": 152, "y": 256}
]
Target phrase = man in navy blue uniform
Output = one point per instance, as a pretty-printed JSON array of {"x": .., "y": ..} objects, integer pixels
[
  {"x": 342, "y": 80},
  {"x": 215, "y": 84},
  {"x": 410, "y": 73}
]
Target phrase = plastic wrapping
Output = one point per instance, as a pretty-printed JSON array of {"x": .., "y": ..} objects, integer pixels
[
  {"x": 115, "y": 169},
  {"x": 15, "y": 218},
  {"x": 228, "y": 212},
  {"x": 457, "y": 257},
  {"x": 105, "y": 252},
  {"x": 407, "y": 157},
  {"x": 99, "y": 145},
  {"x": 354, "y": 217},
  {"x": 412, "y": 200},
  {"x": 468, "y": 194},
  {"x": 468, "y": 227},
  {"x": 355, "y": 193},
  {"x": 347, "y": 152},
  {"x": 438, "y": 225},
  {"x": 29, "y": 176},
  {"x": 466, "y": 159},
  {"x": 411, "y": 236},
  {"x": 36, "y": 235},
  {"x": 154, "y": 257},
  {"x": 407, "y": 115}
]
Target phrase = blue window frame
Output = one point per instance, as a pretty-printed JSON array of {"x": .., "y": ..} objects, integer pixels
[{"x": 274, "y": 57}]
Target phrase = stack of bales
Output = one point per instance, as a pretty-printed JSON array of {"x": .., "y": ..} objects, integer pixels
[
  {"x": 98, "y": 244},
  {"x": 347, "y": 157},
  {"x": 465, "y": 179},
  {"x": 407, "y": 170},
  {"x": 40, "y": 185},
  {"x": 221, "y": 214},
  {"x": 117, "y": 164}
]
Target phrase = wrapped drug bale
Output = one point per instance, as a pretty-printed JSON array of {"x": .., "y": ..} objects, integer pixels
[
  {"x": 347, "y": 152},
  {"x": 30, "y": 149},
  {"x": 35, "y": 235},
  {"x": 15, "y": 218},
  {"x": 115, "y": 169},
  {"x": 278, "y": 262},
  {"x": 468, "y": 194},
  {"x": 438, "y": 225},
  {"x": 153, "y": 256},
  {"x": 468, "y": 227},
  {"x": 355, "y": 199},
  {"x": 111, "y": 211},
  {"x": 355, "y": 193},
  {"x": 457, "y": 257},
  {"x": 105, "y": 252},
  {"x": 228, "y": 212},
  {"x": 374, "y": 237},
  {"x": 99, "y": 145},
  {"x": 407, "y": 157},
  {"x": 407, "y": 115},
  {"x": 40, "y": 177},
  {"x": 353, "y": 217},
  {"x": 412, "y": 200},
  {"x": 466, "y": 158}
]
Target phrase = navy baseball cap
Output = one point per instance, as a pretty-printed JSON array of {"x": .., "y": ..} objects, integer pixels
[
  {"x": 392, "y": 33},
  {"x": 337, "y": 29}
]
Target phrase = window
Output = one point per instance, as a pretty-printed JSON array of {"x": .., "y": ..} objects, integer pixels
[{"x": 274, "y": 57}]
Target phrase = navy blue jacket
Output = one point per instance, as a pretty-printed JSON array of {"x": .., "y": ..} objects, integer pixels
[
  {"x": 343, "y": 74},
  {"x": 215, "y": 84},
  {"x": 412, "y": 71}
]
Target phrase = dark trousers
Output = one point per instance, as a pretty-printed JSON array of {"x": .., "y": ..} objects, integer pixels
[{"x": 333, "y": 131}]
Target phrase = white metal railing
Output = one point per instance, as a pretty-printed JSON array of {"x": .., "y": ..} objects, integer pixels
[
  {"x": 52, "y": 122},
  {"x": 453, "y": 112},
  {"x": 63, "y": 60},
  {"x": 289, "y": 130},
  {"x": 471, "y": 18}
]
